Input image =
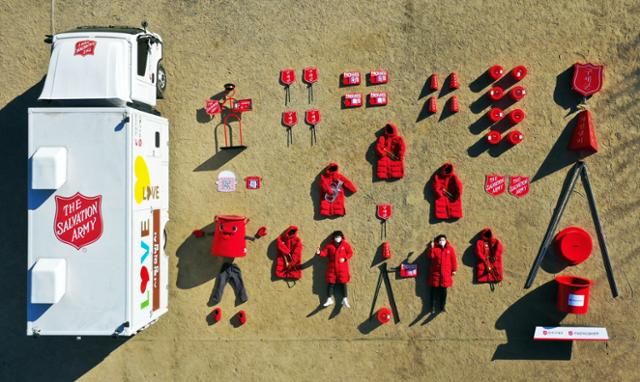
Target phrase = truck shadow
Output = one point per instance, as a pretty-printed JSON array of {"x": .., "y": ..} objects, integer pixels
[{"x": 18, "y": 350}]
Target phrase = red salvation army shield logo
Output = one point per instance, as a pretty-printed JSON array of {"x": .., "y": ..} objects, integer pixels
[
  {"x": 78, "y": 220},
  {"x": 519, "y": 186},
  {"x": 587, "y": 78},
  {"x": 85, "y": 48},
  {"x": 495, "y": 184},
  {"x": 289, "y": 118},
  {"x": 384, "y": 211}
]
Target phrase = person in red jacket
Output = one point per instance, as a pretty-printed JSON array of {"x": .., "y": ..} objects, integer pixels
[
  {"x": 332, "y": 186},
  {"x": 338, "y": 252},
  {"x": 447, "y": 190},
  {"x": 390, "y": 149},
  {"x": 442, "y": 268},
  {"x": 289, "y": 257},
  {"x": 489, "y": 255}
]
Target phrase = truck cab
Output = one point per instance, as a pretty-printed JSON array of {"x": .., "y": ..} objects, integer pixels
[{"x": 115, "y": 66}]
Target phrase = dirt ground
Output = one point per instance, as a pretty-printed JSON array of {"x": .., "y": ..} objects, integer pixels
[{"x": 484, "y": 334}]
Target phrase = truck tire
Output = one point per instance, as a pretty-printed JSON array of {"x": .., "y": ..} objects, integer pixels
[{"x": 161, "y": 82}]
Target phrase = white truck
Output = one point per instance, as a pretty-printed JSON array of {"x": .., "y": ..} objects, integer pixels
[{"x": 98, "y": 190}]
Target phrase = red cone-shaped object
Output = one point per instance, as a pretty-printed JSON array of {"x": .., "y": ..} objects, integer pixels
[
  {"x": 433, "y": 82},
  {"x": 584, "y": 134},
  {"x": 453, "y": 81},
  {"x": 454, "y": 107},
  {"x": 432, "y": 105},
  {"x": 386, "y": 250}
]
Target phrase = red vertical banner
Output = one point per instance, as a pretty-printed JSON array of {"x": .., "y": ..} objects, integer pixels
[{"x": 156, "y": 260}]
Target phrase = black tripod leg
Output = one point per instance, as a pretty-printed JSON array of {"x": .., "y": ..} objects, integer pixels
[
  {"x": 375, "y": 295},
  {"x": 392, "y": 299},
  {"x": 554, "y": 223},
  {"x": 599, "y": 232}
]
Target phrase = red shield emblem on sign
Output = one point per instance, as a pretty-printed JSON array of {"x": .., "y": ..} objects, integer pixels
[
  {"x": 495, "y": 184},
  {"x": 587, "y": 78},
  {"x": 85, "y": 48},
  {"x": 287, "y": 76},
  {"x": 289, "y": 118},
  {"x": 310, "y": 74},
  {"x": 384, "y": 211},
  {"x": 519, "y": 186},
  {"x": 212, "y": 107},
  {"x": 78, "y": 220},
  {"x": 312, "y": 117}
]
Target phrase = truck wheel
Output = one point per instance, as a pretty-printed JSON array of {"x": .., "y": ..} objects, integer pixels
[{"x": 161, "y": 82}]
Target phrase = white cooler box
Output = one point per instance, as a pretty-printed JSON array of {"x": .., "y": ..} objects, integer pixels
[{"x": 98, "y": 200}]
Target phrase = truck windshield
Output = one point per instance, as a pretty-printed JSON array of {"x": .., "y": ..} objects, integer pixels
[{"x": 143, "y": 53}]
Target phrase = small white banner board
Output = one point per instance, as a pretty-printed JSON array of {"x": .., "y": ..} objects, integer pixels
[{"x": 570, "y": 333}]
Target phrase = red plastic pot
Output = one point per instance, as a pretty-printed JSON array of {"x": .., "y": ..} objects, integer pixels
[
  {"x": 496, "y": 93},
  {"x": 519, "y": 72},
  {"x": 515, "y": 137},
  {"x": 495, "y": 72},
  {"x": 517, "y": 93},
  {"x": 495, "y": 114},
  {"x": 573, "y": 294},
  {"x": 574, "y": 244},
  {"x": 516, "y": 116}
]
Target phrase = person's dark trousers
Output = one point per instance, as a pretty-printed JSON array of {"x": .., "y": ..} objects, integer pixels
[
  {"x": 331, "y": 289},
  {"x": 230, "y": 273},
  {"x": 439, "y": 297}
]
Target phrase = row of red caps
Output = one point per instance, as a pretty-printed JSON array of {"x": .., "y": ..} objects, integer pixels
[
  {"x": 355, "y": 99},
  {"x": 497, "y": 93}
]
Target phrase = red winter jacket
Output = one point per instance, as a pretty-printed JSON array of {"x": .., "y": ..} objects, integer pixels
[
  {"x": 489, "y": 255},
  {"x": 447, "y": 189},
  {"x": 338, "y": 264},
  {"x": 289, "y": 254},
  {"x": 443, "y": 264},
  {"x": 332, "y": 186},
  {"x": 390, "y": 149}
]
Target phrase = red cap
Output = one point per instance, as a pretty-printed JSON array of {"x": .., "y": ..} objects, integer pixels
[
  {"x": 496, "y": 93},
  {"x": 515, "y": 137},
  {"x": 495, "y": 114},
  {"x": 495, "y": 72},
  {"x": 519, "y": 72},
  {"x": 517, "y": 93},
  {"x": 493, "y": 137},
  {"x": 516, "y": 116}
]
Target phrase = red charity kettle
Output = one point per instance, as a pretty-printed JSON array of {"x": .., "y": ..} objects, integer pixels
[{"x": 229, "y": 236}]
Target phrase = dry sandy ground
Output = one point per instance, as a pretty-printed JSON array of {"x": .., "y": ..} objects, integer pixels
[{"x": 484, "y": 335}]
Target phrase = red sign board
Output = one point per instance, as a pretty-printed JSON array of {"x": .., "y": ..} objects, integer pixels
[
  {"x": 519, "y": 186},
  {"x": 242, "y": 105},
  {"x": 289, "y": 118},
  {"x": 587, "y": 78},
  {"x": 212, "y": 107},
  {"x": 378, "y": 99},
  {"x": 384, "y": 211},
  {"x": 287, "y": 76},
  {"x": 378, "y": 77},
  {"x": 353, "y": 100},
  {"x": 350, "y": 78},
  {"x": 253, "y": 182},
  {"x": 495, "y": 184},
  {"x": 78, "y": 220},
  {"x": 85, "y": 48},
  {"x": 312, "y": 117},
  {"x": 310, "y": 74}
]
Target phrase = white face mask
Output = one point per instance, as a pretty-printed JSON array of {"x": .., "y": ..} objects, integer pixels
[
  {"x": 338, "y": 239},
  {"x": 442, "y": 242}
]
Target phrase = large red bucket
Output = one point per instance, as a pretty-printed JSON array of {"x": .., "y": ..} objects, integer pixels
[
  {"x": 229, "y": 236},
  {"x": 573, "y": 294}
]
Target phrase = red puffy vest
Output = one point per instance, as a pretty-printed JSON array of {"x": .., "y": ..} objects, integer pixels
[
  {"x": 447, "y": 190},
  {"x": 289, "y": 254},
  {"x": 390, "y": 148},
  {"x": 489, "y": 258}
]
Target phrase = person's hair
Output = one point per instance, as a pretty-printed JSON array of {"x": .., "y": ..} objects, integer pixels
[
  {"x": 440, "y": 237},
  {"x": 337, "y": 233}
]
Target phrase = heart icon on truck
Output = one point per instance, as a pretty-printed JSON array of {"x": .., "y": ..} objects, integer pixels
[{"x": 144, "y": 279}]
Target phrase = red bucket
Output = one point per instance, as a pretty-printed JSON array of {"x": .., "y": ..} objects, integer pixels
[
  {"x": 229, "y": 236},
  {"x": 573, "y": 294}
]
